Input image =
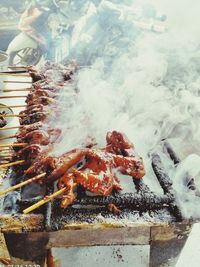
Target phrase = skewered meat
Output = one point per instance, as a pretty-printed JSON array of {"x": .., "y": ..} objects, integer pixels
[
  {"x": 39, "y": 93},
  {"x": 36, "y": 137},
  {"x": 33, "y": 109},
  {"x": 40, "y": 137},
  {"x": 29, "y": 128},
  {"x": 63, "y": 73},
  {"x": 28, "y": 153},
  {"x": 61, "y": 164},
  {"x": 118, "y": 143},
  {"x": 36, "y": 76},
  {"x": 44, "y": 100},
  {"x": 94, "y": 169},
  {"x": 32, "y": 118}
]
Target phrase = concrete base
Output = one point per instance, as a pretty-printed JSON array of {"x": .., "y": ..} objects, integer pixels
[{"x": 109, "y": 256}]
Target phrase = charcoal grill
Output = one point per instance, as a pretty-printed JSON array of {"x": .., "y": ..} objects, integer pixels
[{"x": 88, "y": 222}]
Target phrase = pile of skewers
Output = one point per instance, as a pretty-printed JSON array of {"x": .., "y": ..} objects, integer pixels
[{"x": 95, "y": 169}]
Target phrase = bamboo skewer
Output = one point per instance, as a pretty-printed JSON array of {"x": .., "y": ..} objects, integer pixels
[
  {"x": 13, "y": 145},
  {"x": 17, "y": 67},
  {"x": 13, "y": 96},
  {"x": 12, "y": 115},
  {"x": 14, "y": 74},
  {"x": 11, "y": 128},
  {"x": 29, "y": 181},
  {"x": 17, "y": 106},
  {"x": 17, "y": 90},
  {"x": 2, "y": 166},
  {"x": 5, "y": 160},
  {"x": 18, "y": 82},
  {"x": 45, "y": 200},
  {"x": 8, "y": 137}
]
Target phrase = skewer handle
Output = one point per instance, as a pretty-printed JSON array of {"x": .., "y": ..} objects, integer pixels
[
  {"x": 8, "y": 137},
  {"x": 11, "y": 128},
  {"x": 12, "y": 115},
  {"x": 16, "y": 90},
  {"x": 13, "y": 145},
  {"x": 14, "y": 74},
  {"x": 16, "y": 82},
  {"x": 13, "y": 96},
  {"x": 18, "y": 106},
  {"x": 29, "y": 181},
  {"x": 11, "y": 164},
  {"x": 45, "y": 200}
]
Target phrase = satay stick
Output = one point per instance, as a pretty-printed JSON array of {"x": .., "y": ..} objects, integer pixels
[
  {"x": 18, "y": 82},
  {"x": 11, "y": 128},
  {"x": 17, "y": 67},
  {"x": 14, "y": 74},
  {"x": 17, "y": 106},
  {"x": 12, "y": 96},
  {"x": 4, "y": 161},
  {"x": 45, "y": 200},
  {"x": 13, "y": 145},
  {"x": 17, "y": 90},
  {"x": 11, "y": 164},
  {"x": 29, "y": 181},
  {"x": 12, "y": 115},
  {"x": 8, "y": 137}
]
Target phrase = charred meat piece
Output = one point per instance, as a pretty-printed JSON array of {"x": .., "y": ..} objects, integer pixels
[
  {"x": 36, "y": 76},
  {"x": 28, "y": 153},
  {"x": 32, "y": 118},
  {"x": 44, "y": 100},
  {"x": 29, "y": 128},
  {"x": 40, "y": 137},
  {"x": 38, "y": 93}
]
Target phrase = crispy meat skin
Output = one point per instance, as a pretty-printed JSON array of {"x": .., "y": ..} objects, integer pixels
[{"x": 94, "y": 169}]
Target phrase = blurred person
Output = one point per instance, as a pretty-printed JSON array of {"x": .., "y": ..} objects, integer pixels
[{"x": 34, "y": 30}]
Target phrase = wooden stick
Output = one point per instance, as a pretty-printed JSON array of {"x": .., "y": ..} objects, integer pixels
[
  {"x": 13, "y": 96},
  {"x": 8, "y": 137},
  {"x": 13, "y": 145},
  {"x": 17, "y": 90},
  {"x": 29, "y": 181},
  {"x": 4, "y": 161},
  {"x": 18, "y": 106},
  {"x": 45, "y": 200},
  {"x": 11, "y": 128},
  {"x": 17, "y": 82},
  {"x": 11, "y": 164},
  {"x": 14, "y": 74},
  {"x": 5, "y": 158},
  {"x": 17, "y": 67},
  {"x": 12, "y": 115}
]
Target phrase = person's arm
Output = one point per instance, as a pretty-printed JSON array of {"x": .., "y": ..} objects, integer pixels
[{"x": 27, "y": 18}]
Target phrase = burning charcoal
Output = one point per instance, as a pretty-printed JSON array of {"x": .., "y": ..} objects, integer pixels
[
  {"x": 171, "y": 153},
  {"x": 11, "y": 202},
  {"x": 161, "y": 174}
]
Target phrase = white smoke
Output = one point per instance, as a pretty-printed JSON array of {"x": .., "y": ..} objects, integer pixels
[{"x": 143, "y": 83}]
